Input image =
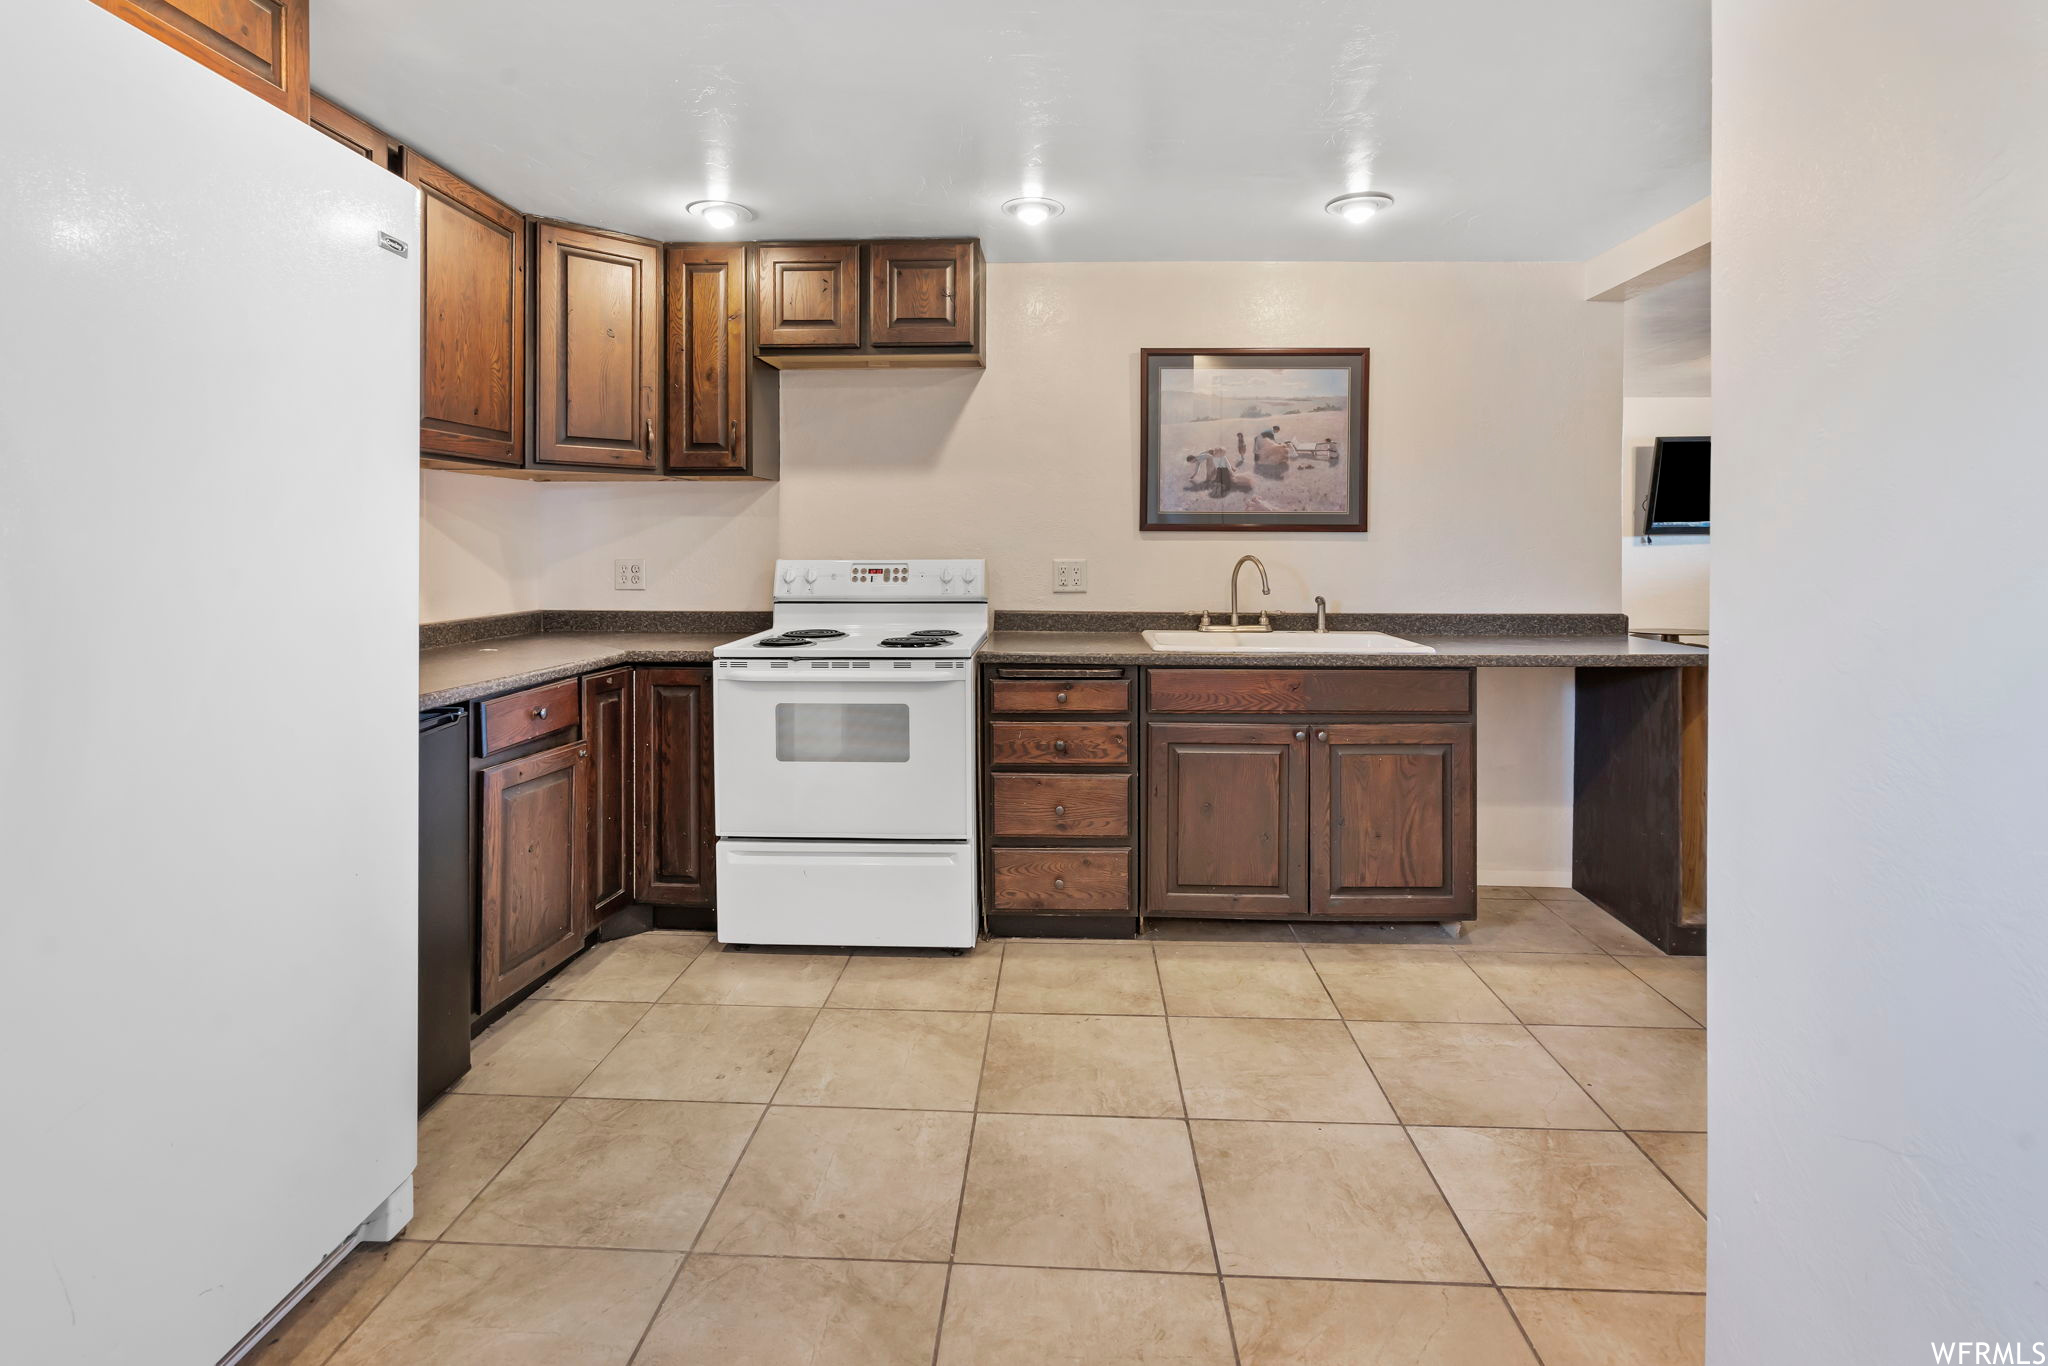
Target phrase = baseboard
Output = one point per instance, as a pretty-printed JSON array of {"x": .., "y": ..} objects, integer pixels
[{"x": 1523, "y": 877}]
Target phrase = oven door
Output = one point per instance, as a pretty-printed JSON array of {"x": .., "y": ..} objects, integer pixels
[{"x": 844, "y": 753}]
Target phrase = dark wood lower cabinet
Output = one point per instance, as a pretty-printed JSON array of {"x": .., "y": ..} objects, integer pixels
[
  {"x": 536, "y": 853},
  {"x": 608, "y": 735},
  {"x": 1227, "y": 819},
  {"x": 673, "y": 834},
  {"x": 1390, "y": 811}
]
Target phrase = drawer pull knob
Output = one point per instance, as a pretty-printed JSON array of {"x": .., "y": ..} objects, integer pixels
[
  {"x": 1059, "y": 811},
  {"x": 540, "y": 713},
  {"x": 1059, "y": 746},
  {"x": 1059, "y": 884},
  {"x": 1301, "y": 735},
  {"x": 1059, "y": 697}
]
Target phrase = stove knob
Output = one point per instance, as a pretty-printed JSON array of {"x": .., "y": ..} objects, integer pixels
[
  {"x": 945, "y": 576},
  {"x": 810, "y": 576},
  {"x": 789, "y": 576},
  {"x": 967, "y": 575}
]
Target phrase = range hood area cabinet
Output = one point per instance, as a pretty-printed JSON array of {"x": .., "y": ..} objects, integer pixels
[{"x": 869, "y": 305}]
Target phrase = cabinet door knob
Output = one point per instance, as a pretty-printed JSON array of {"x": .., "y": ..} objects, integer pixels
[
  {"x": 1059, "y": 884},
  {"x": 650, "y": 435},
  {"x": 1059, "y": 697},
  {"x": 733, "y": 434},
  {"x": 1322, "y": 735},
  {"x": 1059, "y": 746},
  {"x": 540, "y": 713},
  {"x": 583, "y": 754},
  {"x": 1301, "y": 735},
  {"x": 1059, "y": 811}
]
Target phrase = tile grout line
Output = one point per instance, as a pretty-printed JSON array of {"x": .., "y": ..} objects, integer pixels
[
  {"x": 1195, "y": 1157},
  {"x": 967, "y": 1161}
]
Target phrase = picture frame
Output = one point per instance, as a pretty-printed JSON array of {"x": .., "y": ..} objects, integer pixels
[{"x": 1253, "y": 439}]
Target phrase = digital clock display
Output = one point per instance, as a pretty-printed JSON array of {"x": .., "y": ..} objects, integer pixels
[{"x": 881, "y": 573}]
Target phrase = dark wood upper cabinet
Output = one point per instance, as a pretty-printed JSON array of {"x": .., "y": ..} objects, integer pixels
[
  {"x": 723, "y": 406},
  {"x": 1390, "y": 807},
  {"x": 472, "y": 320},
  {"x": 922, "y": 293},
  {"x": 535, "y": 860},
  {"x": 1226, "y": 819},
  {"x": 608, "y": 735},
  {"x": 808, "y": 295},
  {"x": 597, "y": 349},
  {"x": 363, "y": 138},
  {"x": 673, "y": 838},
  {"x": 260, "y": 45}
]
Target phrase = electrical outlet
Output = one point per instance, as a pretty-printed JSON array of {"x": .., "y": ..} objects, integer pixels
[
  {"x": 1070, "y": 576},
  {"x": 627, "y": 576}
]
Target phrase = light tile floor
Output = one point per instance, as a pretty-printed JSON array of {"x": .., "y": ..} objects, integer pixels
[{"x": 1238, "y": 1145}]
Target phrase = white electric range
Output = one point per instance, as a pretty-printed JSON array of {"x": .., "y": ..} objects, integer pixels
[{"x": 844, "y": 758}]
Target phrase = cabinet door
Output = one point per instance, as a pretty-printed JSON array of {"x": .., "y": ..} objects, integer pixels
[
  {"x": 597, "y": 349},
  {"x": 921, "y": 293},
  {"x": 808, "y": 295},
  {"x": 708, "y": 364},
  {"x": 1391, "y": 809},
  {"x": 608, "y": 735},
  {"x": 536, "y": 847},
  {"x": 472, "y": 320},
  {"x": 1226, "y": 819},
  {"x": 672, "y": 725},
  {"x": 359, "y": 136},
  {"x": 260, "y": 45}
]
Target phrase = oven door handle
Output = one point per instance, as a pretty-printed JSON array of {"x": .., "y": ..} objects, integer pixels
[{"x": 781, "y": 678}]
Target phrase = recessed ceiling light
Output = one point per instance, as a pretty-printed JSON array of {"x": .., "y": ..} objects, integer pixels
[
  {"x": 1358, "y": 208},
  {"x": 1033, "y": 209},
  {"x": 720, "y": 213}
]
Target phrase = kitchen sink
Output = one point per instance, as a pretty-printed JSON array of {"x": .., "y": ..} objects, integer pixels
[{"x": 1285, "y": 642}]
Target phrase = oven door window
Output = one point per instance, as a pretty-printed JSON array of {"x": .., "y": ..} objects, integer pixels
[{"x": 842, "y": 732}]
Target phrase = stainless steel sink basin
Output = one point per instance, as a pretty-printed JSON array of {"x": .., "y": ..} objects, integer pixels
[{"x": 1285, "y": 642}]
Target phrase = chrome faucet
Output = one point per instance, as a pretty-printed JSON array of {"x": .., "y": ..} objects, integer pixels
[
  {"x": 1322, "y": 616},
  {"x": 1265, "y": 587}
]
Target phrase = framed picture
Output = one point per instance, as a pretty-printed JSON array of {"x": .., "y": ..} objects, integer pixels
[{"x": 1259, "y": 440}]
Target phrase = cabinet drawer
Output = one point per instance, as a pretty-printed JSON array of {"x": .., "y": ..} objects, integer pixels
[
  {"x": 1060, "y": 742},
  {"x": 1431, "y": 691},
  {"x": 1074, "y": 807},
  {"x": 521, "y": 716},
  {"x": 1060, "y": 694},
  {"x": 1062, "y": 879}
]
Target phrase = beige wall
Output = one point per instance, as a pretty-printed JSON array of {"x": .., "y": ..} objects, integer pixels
[
  {"x": 1492, "y": 481},
  {"x": 481, "y": 546}
]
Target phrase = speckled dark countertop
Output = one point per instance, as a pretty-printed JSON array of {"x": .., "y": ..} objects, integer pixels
[
  {"x": 462, "y": 661},
  {"x": 1462, "y": 652},
  {"x": 460, "y": 673}
]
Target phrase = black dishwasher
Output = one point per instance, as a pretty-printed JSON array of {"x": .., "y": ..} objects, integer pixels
[{"x": 446, "y": 938}]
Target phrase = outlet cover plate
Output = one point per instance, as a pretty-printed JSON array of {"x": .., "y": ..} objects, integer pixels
[
  {"x": 1070, "y": 576},
  {"x": 628, "y": 576}
]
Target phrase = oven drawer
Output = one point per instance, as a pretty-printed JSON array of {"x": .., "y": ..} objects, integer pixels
[
  {"x": 1076, "y": 807},
  {"x": 1062, "y": 879},
  {"x": 1101, "y": 743},
  {"x": 1008, "y": 695},
  {"x": 521, "y": 716}
]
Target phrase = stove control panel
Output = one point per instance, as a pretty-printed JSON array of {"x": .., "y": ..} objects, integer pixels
[{"x": 881, "y": 580}]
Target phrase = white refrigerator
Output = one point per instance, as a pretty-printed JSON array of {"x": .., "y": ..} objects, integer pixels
[{"x": 208, "y": 562}]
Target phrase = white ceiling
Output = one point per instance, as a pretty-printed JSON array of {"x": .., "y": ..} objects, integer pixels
[
  {"x": 1667, "y": 340},
  {"x": 1172, "y": 129}
]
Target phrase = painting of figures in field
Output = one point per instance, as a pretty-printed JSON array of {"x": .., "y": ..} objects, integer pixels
[{"x": 1255, "y": 442}]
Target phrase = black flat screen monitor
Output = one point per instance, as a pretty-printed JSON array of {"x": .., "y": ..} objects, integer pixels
[{"x": 1680, "y": 486}]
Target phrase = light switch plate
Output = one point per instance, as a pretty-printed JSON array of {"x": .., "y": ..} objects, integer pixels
[
  {"x": 627, "y": 576},
  {"x": 1070, "y": 576}
]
